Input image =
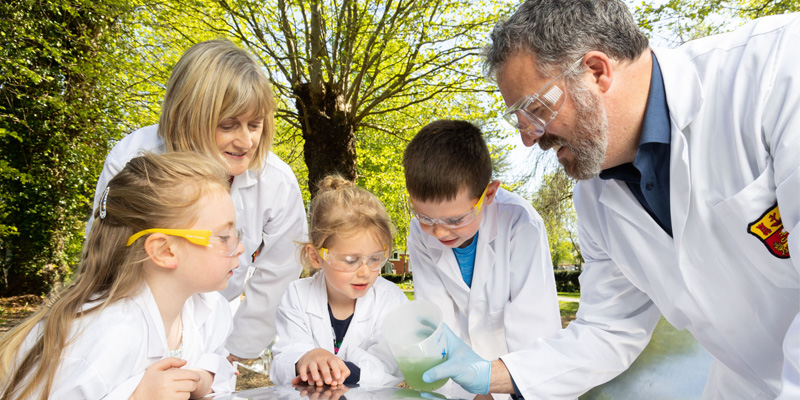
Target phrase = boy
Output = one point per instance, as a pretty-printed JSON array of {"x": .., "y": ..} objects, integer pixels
[{"x": 477, "y": 250}]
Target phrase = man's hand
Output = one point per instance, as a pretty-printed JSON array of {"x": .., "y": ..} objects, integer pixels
[{"x": 463, "y": 366}]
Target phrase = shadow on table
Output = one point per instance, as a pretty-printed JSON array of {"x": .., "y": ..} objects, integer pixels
[{"x": 672, "y": 366}]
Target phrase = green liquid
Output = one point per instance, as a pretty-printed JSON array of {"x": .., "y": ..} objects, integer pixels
[{"x": 413, "y": 368}]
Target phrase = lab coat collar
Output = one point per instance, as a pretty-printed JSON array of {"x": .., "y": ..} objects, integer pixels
[
  {"x": 682, "y": 86},
  {"x": 684, "y": 100},
  {"x": 443, "y": 257},
  {"x": 245, "y": 179},
  {"x": 250, "y": 177},
  {"x": 195, "y": 315},
  {"x": 320, "y": 319}
]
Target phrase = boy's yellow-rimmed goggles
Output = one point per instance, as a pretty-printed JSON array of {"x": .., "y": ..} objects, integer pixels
[
  {"x": 352, "y": 262},
  {"x": 453, "y": 222},
  {"x": 229, "y": 241}
]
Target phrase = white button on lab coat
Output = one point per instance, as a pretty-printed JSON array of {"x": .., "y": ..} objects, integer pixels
[
  {"x": 734, "y": 104},
  {"x": 269, "y": 209}
]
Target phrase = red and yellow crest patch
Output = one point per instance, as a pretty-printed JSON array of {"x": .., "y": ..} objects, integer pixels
[{"x": 769, "y": 229}]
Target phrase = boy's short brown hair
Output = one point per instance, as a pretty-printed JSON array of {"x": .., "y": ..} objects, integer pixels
[{"x": 445, "y": 156}]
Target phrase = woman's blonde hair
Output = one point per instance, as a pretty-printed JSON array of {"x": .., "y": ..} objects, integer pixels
[
  {"x": 151, "y": 191},
  {"x": 215, "y": 80},
  {"x": 340, "y": 210}
]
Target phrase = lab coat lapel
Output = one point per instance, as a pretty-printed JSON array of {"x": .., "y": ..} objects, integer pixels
[
  {"x": 685, "y": 100},
  {"x": 156, "y": 345},
  {"x": 359, "y": 325},
  {"x": 318, "y": 316},
  {"x": 618, "y": 198},
  {"x": 484, "y": 255},
  {"x": 447, "y": 268}
]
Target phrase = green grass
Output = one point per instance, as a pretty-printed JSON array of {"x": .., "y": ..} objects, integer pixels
[
  {"x": 569, "y": 294},
  {"x": 568, "y": 308},
  {"x": 410, "y": 295}
]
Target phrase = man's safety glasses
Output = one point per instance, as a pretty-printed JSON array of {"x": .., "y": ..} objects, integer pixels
[
  {"x": 453, "y": 222},
  {"x": 229, "y": 241},
  {"x": 352, "y": 262},
  {"x": 534, "y": 112}
]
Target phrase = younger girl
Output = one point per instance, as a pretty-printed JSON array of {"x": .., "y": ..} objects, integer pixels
[
  {"x": 329, "y": 324},
  {"x": 137, "y": 320}
]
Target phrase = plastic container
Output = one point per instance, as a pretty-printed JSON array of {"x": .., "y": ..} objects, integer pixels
[{"x": 415, "y": 335}]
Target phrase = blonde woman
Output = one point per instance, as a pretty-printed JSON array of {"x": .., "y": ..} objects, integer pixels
[
  {"x": 218, "y": 102},
  {"x": 143, "y": 318},
  {"x": 329, "y": 324}
]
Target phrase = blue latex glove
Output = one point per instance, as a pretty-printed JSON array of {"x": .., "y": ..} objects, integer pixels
[{"x": 463, "y": 366}]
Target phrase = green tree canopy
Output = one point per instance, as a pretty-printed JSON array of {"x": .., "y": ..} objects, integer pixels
[{"x": 59, "y": 106}]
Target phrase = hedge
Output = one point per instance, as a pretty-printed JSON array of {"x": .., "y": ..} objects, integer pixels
[
  {"x": 567, "y": 281},
  {"x": 397, "y": 278}
]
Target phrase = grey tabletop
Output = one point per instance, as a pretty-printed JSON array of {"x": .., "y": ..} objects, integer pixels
[
  {"x": 327, "y": 393},
  {"x": 672, "y": 366}
]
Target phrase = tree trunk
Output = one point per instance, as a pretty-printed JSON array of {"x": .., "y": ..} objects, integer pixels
[{"x": 330, "y": 143}]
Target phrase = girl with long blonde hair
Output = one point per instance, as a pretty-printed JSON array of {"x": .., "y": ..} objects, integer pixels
[
  {"x": 142, "y": 317},
  {"x": 218, "y": 102}
]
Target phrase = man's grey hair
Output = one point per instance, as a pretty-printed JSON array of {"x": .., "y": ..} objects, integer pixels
[{"x": 559, "y": 32}]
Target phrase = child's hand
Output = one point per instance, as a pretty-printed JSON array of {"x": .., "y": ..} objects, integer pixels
[
  {"x": 320, "y": 367},
  {"x": 203, "y": 385},
  {"x": 321, "y": 393},
  {"x": 165, "y": 380}
]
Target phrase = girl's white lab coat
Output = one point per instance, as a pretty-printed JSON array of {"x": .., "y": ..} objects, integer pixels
[
  {"x": 304, "y": 324},
  {"x": 114, "y": 347},
  {"x": 734, "y": 104},
  {"x": 269, "y": 209}
]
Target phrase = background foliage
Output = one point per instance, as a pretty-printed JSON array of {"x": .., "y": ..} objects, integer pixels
[
  {"x": 76, "y": 75},
  {"x": 61, "y": 101}
]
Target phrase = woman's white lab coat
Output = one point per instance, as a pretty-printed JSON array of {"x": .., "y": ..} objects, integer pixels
[
  {"x": 269, "y": 209},
  {"x": 734, "y": 104},
  {"x": 304, "y": 324},
  {"x": 114, "y": 347}
]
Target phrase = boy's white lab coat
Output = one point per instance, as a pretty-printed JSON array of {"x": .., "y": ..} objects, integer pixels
[
  {"x": 115, "y": 346},
  {"x": 304, "y": 324},
  {"x": 734, "y": 103},
  {"x": 269, "y": 209},
  {"x": 512, "y": 300}
]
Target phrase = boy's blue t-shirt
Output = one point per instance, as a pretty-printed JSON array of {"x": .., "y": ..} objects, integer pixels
[{"x": 466, "y": 260}]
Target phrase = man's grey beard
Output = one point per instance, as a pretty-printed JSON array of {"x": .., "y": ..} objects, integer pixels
[{"x": 590, "y": 131}]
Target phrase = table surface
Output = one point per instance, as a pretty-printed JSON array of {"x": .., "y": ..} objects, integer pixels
[
  {"x": 672, "y": 366},
  {"x": 349, "y": 393}
]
